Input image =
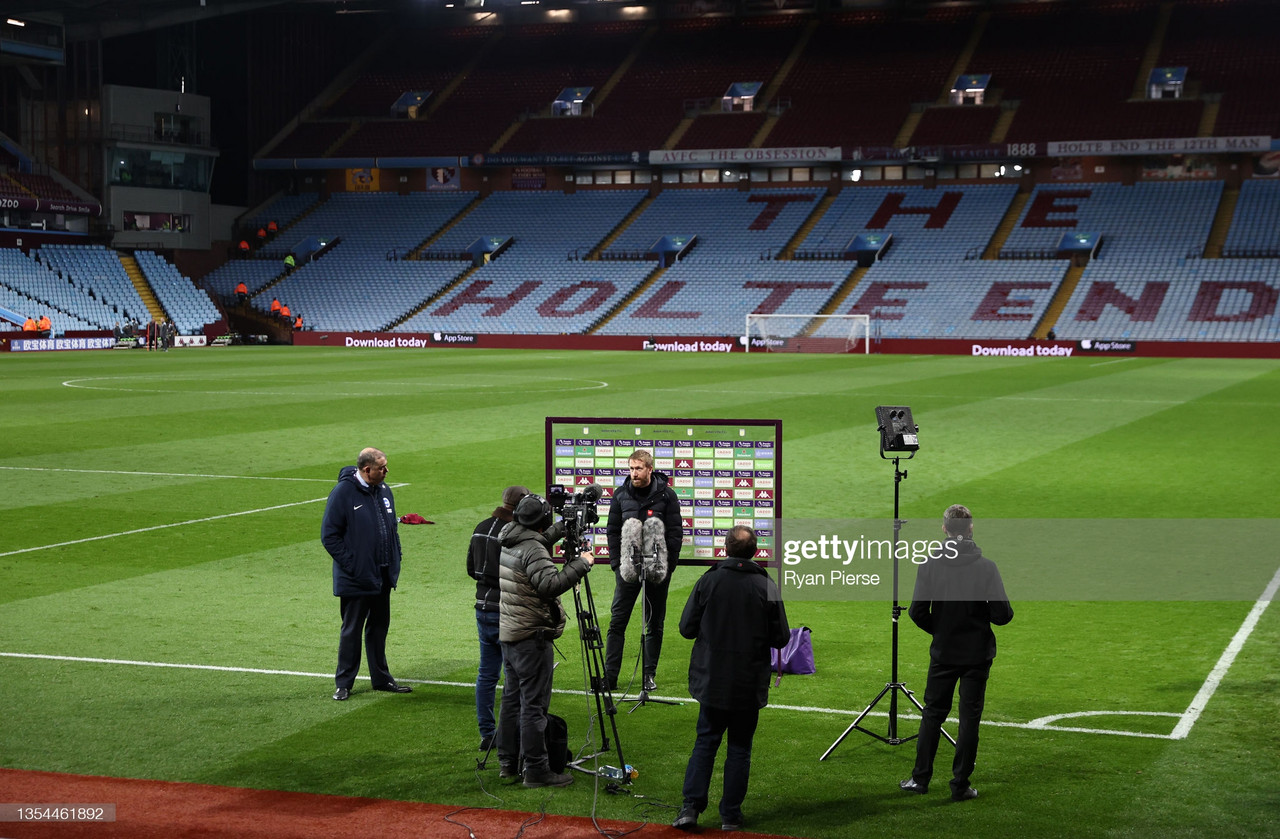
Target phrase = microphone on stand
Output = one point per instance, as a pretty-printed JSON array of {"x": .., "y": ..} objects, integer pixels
[
  {"x": 630, "y": 564},
  {"x": 654, "y": 541}
]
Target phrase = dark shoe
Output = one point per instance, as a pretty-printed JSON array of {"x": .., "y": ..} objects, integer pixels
[
  {"x": 392, "y": 687},
  {"x": 687, "y": 819},
  {"x": 342, "y": 694},
  {"x": 649, "y": 683},
  {"x": 486, "y": 743},
  {"x": 611, "y": 681},
  {"x": 731, "y": 823},
  {"x": 968, "y": 794},
  {"x": 546, "y": 778},
  {"x": 508, "y": 771},
  {"x": 910, "y": 785}
]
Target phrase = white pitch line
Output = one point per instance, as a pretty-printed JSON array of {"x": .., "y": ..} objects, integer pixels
[
  {"x": 162, "y": 474},
  {"x": 1219, "y": 672},
  {"x": 1112, "y": 361},
  {"x": 173, "y": 524},
  {"x": 1035, "y": 725}
]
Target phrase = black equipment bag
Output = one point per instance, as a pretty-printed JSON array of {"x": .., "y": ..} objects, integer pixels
[{"x": 557, "y": 734}]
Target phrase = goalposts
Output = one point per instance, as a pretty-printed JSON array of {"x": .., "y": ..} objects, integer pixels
[{"x": 811, "y": 333}]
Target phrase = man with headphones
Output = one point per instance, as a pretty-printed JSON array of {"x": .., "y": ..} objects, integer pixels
[{"x": 530, "y": 619}]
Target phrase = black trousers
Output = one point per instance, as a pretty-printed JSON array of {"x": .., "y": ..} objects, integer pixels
[
  {"x": 938, "y": 692},
  {"x": 368, "y": 616},
  {"x": 526, "y": 695},
  {"x": 713, "y": 723},
  {"x": 624, "y": 602}
]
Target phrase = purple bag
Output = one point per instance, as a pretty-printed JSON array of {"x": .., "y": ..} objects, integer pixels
[{"x": 796, "y": 657}]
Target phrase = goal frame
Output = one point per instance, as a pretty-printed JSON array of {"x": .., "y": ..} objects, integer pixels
[{"x": 864, "y": 319}]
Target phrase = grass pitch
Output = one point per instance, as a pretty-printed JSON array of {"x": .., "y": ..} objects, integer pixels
[{"x": 164, "y": 509}]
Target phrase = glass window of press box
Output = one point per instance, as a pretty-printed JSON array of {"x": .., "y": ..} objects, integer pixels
[{"x": 161, "y": 169}]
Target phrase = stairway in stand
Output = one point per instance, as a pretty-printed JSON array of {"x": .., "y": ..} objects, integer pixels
[{"x": 139, "y": 281}]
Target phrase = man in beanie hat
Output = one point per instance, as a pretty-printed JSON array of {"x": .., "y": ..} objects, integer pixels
[{"x": 482, "y": 566}]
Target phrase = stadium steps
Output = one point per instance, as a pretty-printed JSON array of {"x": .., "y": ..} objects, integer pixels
[
  {"x": 416, "y": 253},
  {"x": 1222, "y": 223},
  {"x": 1152, "y": 53},
  {"x": 622, "y": 304},
  {"x": 770, "y": 93},
  {"x": 789, "y": 249},
  {"x": 1006, "y": 225},
  {"x": 352, "y": 128},
  {"x": 506, "y": 136},
  {"x": 622, "y": 225},
  {"x": 908, "y": 128},
  {"x": 679, "y": 132},
  {"x": 763, "y": 133},
  {"x": 1209, "y": 117},
  {"x": 962, "y": 60},
  {"x": 440, "y": 97},
  {"x": 462, "y": 278},
  {"x": 1008, "y": 110},
  {"x": 846, "y": 288},
  {"x": 607, "y": 88},
  {"x": 12, "y": 184},
  {"x": 139, "y": 281},
  {"x": 1059, "y": 302}
]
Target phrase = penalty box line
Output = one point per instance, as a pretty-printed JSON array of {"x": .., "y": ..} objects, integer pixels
[
  {"x": 1035, "y": 725},
  {"x": 171, "y": 524}
]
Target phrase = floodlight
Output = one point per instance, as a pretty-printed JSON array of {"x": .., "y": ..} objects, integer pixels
[{"x": 898, "y": 433}]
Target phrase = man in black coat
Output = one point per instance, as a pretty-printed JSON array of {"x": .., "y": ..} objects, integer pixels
[
  {"x": 734, "y": 616},
  {"x": 958, "y": 596},
  {"x": 484, "y": 565},
  {"x": 359, "y": 532},
  {"x": 644, "y": 495}
]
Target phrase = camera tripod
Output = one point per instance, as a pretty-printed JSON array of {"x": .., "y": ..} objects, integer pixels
[
  {"x": 592, "y": 640},
  {"x": 894, "y": 687}
]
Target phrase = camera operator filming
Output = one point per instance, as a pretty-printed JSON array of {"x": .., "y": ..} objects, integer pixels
[{"x": 531, "y": 618}]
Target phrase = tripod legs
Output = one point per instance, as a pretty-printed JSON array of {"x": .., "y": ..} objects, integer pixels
[{"x": 645, "y": 608}]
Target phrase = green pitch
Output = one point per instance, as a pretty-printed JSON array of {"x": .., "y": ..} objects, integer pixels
[{"x": 164, "y": 509}]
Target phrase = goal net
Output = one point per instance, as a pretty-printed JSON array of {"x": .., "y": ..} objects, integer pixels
[{"x": 808, "y": 333}]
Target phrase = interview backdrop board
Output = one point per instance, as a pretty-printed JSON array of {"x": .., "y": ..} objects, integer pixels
[{"x": 725, "y": 472}]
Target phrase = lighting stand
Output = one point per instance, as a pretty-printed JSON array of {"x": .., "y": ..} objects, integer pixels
[{"x": 894, "y": 687}]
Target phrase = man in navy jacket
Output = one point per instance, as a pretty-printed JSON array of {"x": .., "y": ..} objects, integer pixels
[
  {"x": 359, "y": 532},
  {"x": 958, "y": 596}
]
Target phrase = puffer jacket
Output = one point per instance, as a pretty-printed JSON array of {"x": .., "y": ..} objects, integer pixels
[
  {"x": 359, "y": 532},
  {"x": 531, "y": 584}
]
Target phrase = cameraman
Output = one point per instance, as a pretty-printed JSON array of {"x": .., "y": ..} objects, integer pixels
[
  {"x": 531, "y": 618},
  {"x": 643, "y": 495}
]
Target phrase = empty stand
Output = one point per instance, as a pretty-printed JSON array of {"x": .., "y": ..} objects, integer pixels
[
  {"x": 1255, "y": 228},
  {"x": 1153, "y": 220},
  {"x": 188, "y": 307},
  {"x": 946, "y": 223},
  {"x": 97, "y": 270}
]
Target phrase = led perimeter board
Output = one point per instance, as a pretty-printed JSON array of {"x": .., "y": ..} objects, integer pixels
[{"x": 725, "y": 472}]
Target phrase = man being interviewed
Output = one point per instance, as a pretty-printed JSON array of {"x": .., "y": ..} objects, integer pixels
[
  {"x": 644, "y": 495},
  {"x": 530, "y": 619},
  {"x": 735, "y": 617}
]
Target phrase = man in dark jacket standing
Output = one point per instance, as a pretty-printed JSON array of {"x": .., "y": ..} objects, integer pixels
[
  {"x": 359, "y": 532},
  {"x": 734, "y": 616},
  {"x": 483, "y": 566},
  {"x": 531, "y": 619},
  {"x": 645, "y": 494},
  {"x": 958, "y": 596}
]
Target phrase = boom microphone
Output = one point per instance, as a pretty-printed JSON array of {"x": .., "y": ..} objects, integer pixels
[
  {"x": 654, "y": 541},
  {"x": 632, "y": 546}
]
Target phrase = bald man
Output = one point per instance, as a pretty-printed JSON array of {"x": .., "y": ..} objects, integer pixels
[{"x": 359, "y": 532}]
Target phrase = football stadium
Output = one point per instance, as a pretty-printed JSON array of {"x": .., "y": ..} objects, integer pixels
[{"x": 837, "y": 265}]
